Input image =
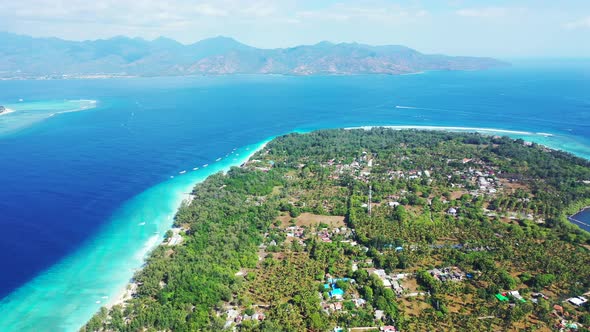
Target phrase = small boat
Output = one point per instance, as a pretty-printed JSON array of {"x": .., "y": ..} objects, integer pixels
[
  {"x": 181, "y": 172},
  {"x": 218, "y": 159},
  {"x": 205, "y": 165},
  {"x": 142, "y": 223},
  {"x": 196, "y": 168}
]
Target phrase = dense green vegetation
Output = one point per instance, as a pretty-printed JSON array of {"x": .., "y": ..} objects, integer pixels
[{"x": 492, "y": 208}]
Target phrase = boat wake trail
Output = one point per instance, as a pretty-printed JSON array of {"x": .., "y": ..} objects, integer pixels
[{"x": 422, "y": 108}]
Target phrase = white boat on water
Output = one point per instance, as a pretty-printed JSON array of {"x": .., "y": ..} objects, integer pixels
[
  {"x": 196, "y": 168},
  {"x": 142, "y": 223},
  {"x": 182, "y": 172},
  {"x": 218, "y": 159},
  {"x": 205, "y": 165}
]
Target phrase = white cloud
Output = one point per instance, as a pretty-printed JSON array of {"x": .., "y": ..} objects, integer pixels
[
  {"x": 317, "y": 15},
  {"x": 206, "y": 9},
  {"x": 488, "y": 12},
  {"x": 422, "y": 13},
  {"x": 375, "y": 12},
  {"x": 132, "y": 13},
  {"x": 579, "y": 24},
  {"x": 259, "y": 9}
]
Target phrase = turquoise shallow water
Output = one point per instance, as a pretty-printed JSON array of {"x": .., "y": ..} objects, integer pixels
[
  {"x": 28, "y": 113},
  {"x": 64, "y": 296},
  {"x": 77, "y": 187}
]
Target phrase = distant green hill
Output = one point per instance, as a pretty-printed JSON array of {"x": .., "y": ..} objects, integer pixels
[{"x": 25, "y": 56}]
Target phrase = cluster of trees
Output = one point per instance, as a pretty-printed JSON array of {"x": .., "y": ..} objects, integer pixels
[{"x": 180, "y": 287}]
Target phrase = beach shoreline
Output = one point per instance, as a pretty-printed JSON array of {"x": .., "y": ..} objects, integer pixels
[
  {"x": 7, "y": 111},
  {"x": 529, "y": 137},
  {"x": 136, "y": 218},
  {"x": 445, "y": 128},
  {"x": 125, "y": 294}
]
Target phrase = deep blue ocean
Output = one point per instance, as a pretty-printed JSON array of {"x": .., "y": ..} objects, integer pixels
[{"x": 71, "y": 181}]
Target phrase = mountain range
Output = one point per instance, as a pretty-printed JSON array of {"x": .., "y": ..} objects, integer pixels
[{"x": 27, "y": 57}]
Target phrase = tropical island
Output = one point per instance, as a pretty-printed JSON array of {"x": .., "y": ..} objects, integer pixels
[
  {"x": 382, "y": 230},
  {"x": 129, "y": 57}
]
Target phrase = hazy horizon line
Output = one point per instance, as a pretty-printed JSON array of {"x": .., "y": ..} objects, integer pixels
[{"x": 353, "y": 42}]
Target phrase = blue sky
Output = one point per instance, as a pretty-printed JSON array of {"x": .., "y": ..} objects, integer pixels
[{"x": 515, "y": 28}]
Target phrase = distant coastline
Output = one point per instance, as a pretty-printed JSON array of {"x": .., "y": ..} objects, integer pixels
[
  {"x": 67, "y": 77},
  {"x": 219, "y": 56}
]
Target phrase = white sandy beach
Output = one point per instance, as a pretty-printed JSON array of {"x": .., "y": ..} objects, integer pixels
[
  {"x": 445, "y": 128},
  {"x": 7, "y": 111},
  {"x": 88, "y": 104},
  {"x": 123, "y": 295}
]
